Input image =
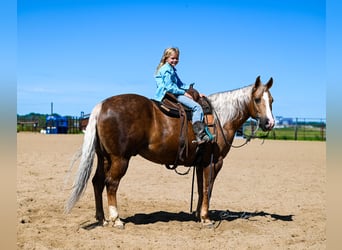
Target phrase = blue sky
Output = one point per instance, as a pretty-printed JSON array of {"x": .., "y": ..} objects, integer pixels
[{"x": 77, "y": 53}]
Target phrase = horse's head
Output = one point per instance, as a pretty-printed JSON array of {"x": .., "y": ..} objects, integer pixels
[{"x": 261, "y": 104}]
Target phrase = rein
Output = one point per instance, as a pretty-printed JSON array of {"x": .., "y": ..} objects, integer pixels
[
  {"x": 254, "y": 136},
  {"x": 248, "y": 137}
]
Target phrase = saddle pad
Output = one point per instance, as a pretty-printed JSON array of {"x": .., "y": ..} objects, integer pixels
[{"x": 171, "y": 108}]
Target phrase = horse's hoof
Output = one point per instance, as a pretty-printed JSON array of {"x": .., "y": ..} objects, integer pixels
[
  {"x": 105, "y": 223},
  {"x": 208, "y": 225},
  {"x": 121, "y": 227},
  {"x": 119, "y": 224}
]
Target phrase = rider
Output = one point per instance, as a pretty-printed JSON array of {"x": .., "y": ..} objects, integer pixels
[{"x": 168, "y": 81}]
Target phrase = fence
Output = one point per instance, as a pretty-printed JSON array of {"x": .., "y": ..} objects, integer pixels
[
  {"x": 75, "y": 125},
  {"x": 25, "y": 125},
  {"x": 292, "y": 129},
  {"x": 285, "y": 128}
]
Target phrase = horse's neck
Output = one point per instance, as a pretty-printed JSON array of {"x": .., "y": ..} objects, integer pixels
[{"x": 232, "y": 107}]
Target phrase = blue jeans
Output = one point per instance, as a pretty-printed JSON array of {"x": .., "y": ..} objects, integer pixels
[{"x": 197, "y": 111}]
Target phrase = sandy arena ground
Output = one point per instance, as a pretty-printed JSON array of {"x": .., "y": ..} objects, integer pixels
[{"x": 267, "y": 196}]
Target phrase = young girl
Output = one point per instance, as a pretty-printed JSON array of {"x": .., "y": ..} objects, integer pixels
[{"x": 168, "y": 81}]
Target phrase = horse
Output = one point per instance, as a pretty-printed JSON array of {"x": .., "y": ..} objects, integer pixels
[{"x": 126, "y": 125}]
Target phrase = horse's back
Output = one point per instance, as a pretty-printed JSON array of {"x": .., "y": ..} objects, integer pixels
[
  {"x": 124, "y": 123},
  {"x": 127, "y": 104}
]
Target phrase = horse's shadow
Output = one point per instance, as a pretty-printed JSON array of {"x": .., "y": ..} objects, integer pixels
[{"x": 215, "y": 215}]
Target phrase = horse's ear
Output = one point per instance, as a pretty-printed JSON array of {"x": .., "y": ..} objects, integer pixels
[
  {"x": 269, "y": 83},
  {"x": 257, "y": 83}
]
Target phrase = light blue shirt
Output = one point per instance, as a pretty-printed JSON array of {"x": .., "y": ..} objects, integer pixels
[{"x": 168, "y": 81}]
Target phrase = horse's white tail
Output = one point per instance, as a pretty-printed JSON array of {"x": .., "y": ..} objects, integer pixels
[{"x": 87, "y": 158}]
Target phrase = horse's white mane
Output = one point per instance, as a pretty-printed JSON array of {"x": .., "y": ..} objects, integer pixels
[{"x": 229, "y": 105}]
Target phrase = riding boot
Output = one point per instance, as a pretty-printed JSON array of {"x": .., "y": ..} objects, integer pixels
[{"x": 201, "y": 132}]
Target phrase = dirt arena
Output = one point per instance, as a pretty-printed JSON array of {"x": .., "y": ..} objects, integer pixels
[{"x": 267, "y": 196}]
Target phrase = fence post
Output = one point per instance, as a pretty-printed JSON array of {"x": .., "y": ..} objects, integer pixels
[
  {"x": 322, "y": 130},
  {"x": 296, "y": 129},
  {"x": 304, "y": 126}
]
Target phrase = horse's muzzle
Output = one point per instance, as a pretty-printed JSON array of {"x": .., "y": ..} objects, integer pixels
[{"x": 266, "y": 124}]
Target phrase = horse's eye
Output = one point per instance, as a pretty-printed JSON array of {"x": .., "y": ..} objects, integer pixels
[{"x": 257, "y": 100}]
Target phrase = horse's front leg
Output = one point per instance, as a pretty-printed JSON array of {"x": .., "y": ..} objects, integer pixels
[
  {"x": 113, "y": 176},
  {"x": 206, "y": 188},
  {"x": 205, "y": 181},
  {"x": 202, "y": 212},
  {"x": 199, "y": 177}
]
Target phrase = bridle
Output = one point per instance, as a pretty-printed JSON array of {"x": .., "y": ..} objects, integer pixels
[{"x": 248, "y": 137}]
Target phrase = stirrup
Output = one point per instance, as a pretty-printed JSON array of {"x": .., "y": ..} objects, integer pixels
[
  {"x": 210, "y": 135},
  {"x": 205, "y": 139},
  {"x": 199, "y": 142}
]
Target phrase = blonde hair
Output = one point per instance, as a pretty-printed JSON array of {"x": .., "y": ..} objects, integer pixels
[{"x": 167, "y": 53}]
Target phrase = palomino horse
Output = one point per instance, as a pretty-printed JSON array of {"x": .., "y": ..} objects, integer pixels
[{"x": 126, "y": 125}]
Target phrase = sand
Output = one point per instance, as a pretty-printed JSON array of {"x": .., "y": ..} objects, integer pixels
[{"x": 269, "y": 195}]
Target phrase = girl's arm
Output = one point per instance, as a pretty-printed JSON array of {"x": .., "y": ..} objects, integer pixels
[{"x": 170, "y": 85}]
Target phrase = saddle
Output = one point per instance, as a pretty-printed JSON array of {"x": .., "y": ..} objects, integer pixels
[{"x": 171, "y": 107}]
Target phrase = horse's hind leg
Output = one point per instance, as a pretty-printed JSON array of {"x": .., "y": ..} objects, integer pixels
[
  {"x": 117, "y": 170},
  {"x": 98, "y": 185}
]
